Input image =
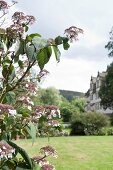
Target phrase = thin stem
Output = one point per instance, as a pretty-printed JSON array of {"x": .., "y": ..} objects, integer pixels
[{"x": 23, "y": 76}]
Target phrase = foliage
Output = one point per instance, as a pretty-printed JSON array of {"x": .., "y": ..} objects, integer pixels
[
  {"x": 79, "y": 103},
  {"x": 19, "y": 53},
  {"x": 49, "y": 96},
  {"x": 77, "y": 124},
  {"x": 94, "y": 122},
  {"x": 109, "y": 131},
  {"x": 106, "y": 89},
  {"x": 109, "y": 45},
  {"x": 88, "y": 123},
  {"x": 67, "y": 109}
]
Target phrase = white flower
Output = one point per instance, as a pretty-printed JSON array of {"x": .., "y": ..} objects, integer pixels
[
  {"x": 29, "y": 107},
  {"x": 27, "y": 85},
  {"x": 12, "y": 112},
  {"x": 58, "y": 111},
  {"x": 4, "y": 147},
  {"x": 30, "y": 102},
  {"x": 9, "y": 155}
]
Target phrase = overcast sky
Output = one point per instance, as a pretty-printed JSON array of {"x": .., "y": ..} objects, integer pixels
[{"x": 85, "y": 57}]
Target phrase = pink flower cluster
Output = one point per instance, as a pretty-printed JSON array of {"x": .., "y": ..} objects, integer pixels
[
  {"x": 19, "y": 21},
  {"x": 29, "y": 86},
  {"x": 50, "y": 112},
  {"x": 20, "y": 17},
  {"x": 6, "y": 150},
  {"x": 53, "y": 123},
  {"x": 72, "y": 33},
  {"x": 3, "y": 5},
  {"x": 47, "y": 167},
  {"x": 49, "y": 151},
  {"x": 25, "y": 100},
  {"x": 42, "y": 74},
  {"x": 40, "y": 160},
  {"x": 43, "y": 163},
  {"x": 7, "y": 109}
]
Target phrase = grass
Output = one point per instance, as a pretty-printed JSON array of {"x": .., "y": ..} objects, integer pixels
[{"x": 76, "y": 153}]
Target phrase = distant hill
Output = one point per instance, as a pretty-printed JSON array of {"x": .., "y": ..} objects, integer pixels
[{"x": 69, "y": 95}]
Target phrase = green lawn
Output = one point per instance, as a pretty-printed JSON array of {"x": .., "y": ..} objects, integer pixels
[{"x": 77, "y": 153}]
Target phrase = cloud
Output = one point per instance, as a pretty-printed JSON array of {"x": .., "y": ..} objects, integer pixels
[
  {"x": 89, "y": 53},
  {"x": 72, "y": 74}
]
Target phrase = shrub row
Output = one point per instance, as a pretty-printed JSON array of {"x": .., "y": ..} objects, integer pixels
[{"x": 90, "y": 123}]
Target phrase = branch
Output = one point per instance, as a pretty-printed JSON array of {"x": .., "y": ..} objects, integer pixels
[{"x": 23, "y": 76}]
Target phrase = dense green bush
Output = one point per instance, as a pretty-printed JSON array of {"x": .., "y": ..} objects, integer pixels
[
  {"x": 106, "y": 131},
  {"x": 77, "y": 124},
  {"x": 109, "y": 131},
  {"x": 67, "y": 109},
  {"x": 88, "y": 123}
]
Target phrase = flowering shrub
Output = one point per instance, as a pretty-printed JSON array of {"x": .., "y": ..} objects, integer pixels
[{"x": 18, "y": 115}]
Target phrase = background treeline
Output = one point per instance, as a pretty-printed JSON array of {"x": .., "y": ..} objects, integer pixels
[{"x": 69, "y": 95}]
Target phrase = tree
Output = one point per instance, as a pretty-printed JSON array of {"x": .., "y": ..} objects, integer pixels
[
  {"x": 50, "y": 96},
  {"x": 19, "y": 52},
  {"x": 79, "y": 103},
  {"x": 106, "y": 89},
  {"x": 67, "y": 109}
]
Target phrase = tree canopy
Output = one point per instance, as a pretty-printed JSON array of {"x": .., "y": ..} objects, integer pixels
[{"x": 106, "y": 89}]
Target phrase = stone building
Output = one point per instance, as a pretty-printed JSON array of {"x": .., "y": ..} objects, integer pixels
[{"x": 92, "y": 95}]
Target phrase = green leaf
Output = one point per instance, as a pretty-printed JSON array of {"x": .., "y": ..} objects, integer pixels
[
  {"x": 32, "y": 131},
  {"x": 31, "y": 36},
  {"x": 9, "y": 164},
  {"x": 21, "y": 64},
  {"x": 65, "y": 39},
  {"x": 57, "y": 53},
  {"x": 58, "y": 40},
  {"x": 2, "y": 31},
  {"x": 44, "y": 56},
  {"x": 5, "y": 167},
  {"x": 1, "y": 45},
  {"x": 39, "y": 43},
  {"x": 30, "y": 50},
  {"x": 26, "y": 28},
  {"x": 7, "y": 70},
  {"x": 66, "y": 46},
  {"x": 20, "y": 50},
  {"x": 10, "y": 97},
  {"x": 23, "y": 153},
  {"x": 4, "y": 71}
]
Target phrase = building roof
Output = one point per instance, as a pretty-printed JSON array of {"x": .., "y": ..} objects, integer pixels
[
  {"x": 103, "y": 74},
  {"x": 93, "y": 79}
]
